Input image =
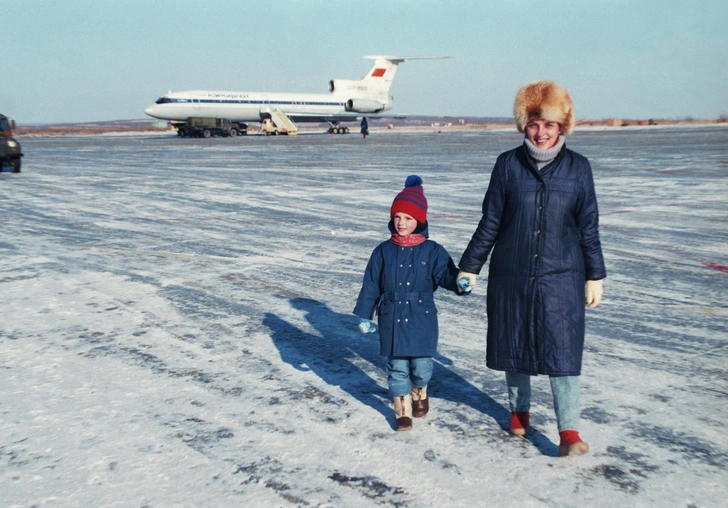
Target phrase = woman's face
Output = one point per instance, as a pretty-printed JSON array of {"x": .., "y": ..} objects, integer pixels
[{"x": 543, "y": 134}]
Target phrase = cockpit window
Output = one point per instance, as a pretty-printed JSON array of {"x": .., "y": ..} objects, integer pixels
[
  {"x": 163, "y": 100},
  {"x": 4, "y": 124}
]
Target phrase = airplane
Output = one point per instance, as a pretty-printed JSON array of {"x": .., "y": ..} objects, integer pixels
[{"x": 348, "y": 100}]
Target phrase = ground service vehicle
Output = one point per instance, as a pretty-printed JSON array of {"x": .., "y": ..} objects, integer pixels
[
  {"x": 198, "y": 127},
  {"x": 10, "y": 153}
]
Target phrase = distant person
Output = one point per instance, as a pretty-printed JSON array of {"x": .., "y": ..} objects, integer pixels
[
  {"x": 364, "y": 127},
  {"x": 541, "y": 221},
  {"x": 400, "y": 280}
]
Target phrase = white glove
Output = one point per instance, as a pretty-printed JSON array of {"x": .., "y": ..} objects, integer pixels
[
  {"x": 593, "y": 293},
  {"x": 465, "y": 275},
  {"x": 367, "y": 326}
]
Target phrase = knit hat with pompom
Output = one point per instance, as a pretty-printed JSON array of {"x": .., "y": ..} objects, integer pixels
[{"x": 411, "y": 200}]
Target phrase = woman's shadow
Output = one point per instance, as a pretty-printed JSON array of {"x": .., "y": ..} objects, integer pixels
[{"x": 342, "y": 356}]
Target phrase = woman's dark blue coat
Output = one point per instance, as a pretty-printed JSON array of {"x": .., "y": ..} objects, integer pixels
[
  {"x": 543, "y": 227},
  {"x": 399, "y": 286}
]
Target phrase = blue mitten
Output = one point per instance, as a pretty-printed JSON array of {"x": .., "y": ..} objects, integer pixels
[
  {"x": 367, "y": 326},
  {"x": 464, "y": 285}
]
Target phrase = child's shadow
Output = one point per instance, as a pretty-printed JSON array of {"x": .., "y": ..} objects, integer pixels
[{"x": 336, "y": 357}]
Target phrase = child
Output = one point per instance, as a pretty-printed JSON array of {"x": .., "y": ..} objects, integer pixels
[{"x": 399, "y": 284}]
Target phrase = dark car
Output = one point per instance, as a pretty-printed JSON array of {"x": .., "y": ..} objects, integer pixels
[{"x": 10, "y": 153}]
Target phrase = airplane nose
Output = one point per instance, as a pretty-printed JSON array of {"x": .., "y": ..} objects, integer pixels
[{"x": 149, "y": 110}]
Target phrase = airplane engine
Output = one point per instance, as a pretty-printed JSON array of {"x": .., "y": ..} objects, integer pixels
[{"x": 364, "y": 106}]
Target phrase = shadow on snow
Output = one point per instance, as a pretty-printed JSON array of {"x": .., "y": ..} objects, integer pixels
[{"x": 333, "y": 356}]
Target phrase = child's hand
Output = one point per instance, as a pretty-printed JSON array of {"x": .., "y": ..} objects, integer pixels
[
  {"x": 468, "y": 283},
  {"x": 464, "y": 285},
  {"x": 367, "y": 326}
]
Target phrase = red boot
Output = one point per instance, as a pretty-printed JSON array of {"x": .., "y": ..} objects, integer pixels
[
  {"x": 571, "y": 444},
  {"x": 520, "y": 423}
]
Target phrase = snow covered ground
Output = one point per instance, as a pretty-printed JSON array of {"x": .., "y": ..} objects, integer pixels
[{"x": 176, "y": 328}]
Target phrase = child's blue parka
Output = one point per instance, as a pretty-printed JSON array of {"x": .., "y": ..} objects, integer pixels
[{"x": 399, "y": 285}]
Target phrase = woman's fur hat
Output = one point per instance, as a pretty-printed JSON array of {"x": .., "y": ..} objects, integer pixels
[{"x": 545, "y": 100}]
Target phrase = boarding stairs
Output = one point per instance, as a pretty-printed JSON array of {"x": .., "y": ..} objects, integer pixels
[{"x": 283, "y": 122}]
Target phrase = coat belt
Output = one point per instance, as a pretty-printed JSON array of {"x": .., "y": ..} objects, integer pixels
[{"x": 390, "y": 296}]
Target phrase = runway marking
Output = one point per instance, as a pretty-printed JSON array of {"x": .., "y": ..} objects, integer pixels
[
  {"x": 715, "y": 266},
  {"x": 669, "y": 248}
]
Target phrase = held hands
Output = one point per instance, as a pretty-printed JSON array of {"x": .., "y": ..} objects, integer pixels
[
  {"x": 593, "y": 293},
  {"x": 470, "y": 278},
  {"x": 367, "y": 326},
  {"x": 464, "y": 286}
]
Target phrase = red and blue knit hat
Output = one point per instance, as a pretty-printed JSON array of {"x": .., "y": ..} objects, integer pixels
[{"x": 411, "y": 200}]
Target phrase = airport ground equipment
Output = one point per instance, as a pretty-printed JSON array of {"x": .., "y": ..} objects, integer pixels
[
  {"x": 10, "y": 152},
  {"x": 277, "y": 122},
  {"x": 198, "y": 127}
]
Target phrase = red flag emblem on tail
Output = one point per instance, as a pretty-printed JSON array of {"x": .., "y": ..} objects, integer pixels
[{"x": 378, "y": 73}]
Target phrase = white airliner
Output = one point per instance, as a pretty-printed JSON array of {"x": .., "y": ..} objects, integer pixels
[{"x": 348, "y": 100}]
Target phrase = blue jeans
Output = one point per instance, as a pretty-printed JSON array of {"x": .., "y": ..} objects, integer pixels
[
  {"x": 405, "y": 371},
  {"x": 565, "y": 390}
]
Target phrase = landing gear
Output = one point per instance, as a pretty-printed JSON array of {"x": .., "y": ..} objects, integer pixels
[{"x": 337, "y": 129}]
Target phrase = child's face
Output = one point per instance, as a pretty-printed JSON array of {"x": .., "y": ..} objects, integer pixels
[{"x": 404, "y": 224}]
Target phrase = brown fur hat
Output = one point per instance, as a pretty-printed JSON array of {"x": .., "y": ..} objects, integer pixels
[{"x": 545, "y": 100}]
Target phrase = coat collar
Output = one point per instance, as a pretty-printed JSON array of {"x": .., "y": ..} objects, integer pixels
[{"x": 526, "y": 162}]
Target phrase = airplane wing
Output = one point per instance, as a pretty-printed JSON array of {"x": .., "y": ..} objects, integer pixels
[
  {"x": 311, "y": 117},
  {"x": 345, "y": 117}
]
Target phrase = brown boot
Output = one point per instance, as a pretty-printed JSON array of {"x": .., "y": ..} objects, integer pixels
[
  {"x": 571, "y": 444},
  {"x": 403, "y": 412},
  {"x": 420, "y": 402}
]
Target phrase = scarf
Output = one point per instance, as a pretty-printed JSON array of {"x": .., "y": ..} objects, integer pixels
[
  {"x": 544, "y": 157},
  {"x": 409, "y": 240}
]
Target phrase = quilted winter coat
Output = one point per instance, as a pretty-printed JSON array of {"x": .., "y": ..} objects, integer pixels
[
  {"x": 543, "y": 227},
  {"x": 399, "y": 286}
]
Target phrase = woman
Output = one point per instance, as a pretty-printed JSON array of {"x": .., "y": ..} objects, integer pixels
[{"x": 540, "y": 218}]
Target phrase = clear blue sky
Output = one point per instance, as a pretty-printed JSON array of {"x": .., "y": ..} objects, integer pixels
[{"x": 91, "y": 60}]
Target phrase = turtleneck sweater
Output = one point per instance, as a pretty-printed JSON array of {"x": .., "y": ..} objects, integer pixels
[{"x": 543, "y": 157}]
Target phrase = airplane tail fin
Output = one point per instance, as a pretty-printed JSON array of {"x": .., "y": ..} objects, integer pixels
[{"x": 375, "y": 85}]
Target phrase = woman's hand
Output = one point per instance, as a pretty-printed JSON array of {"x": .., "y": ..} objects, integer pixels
[{"x": 593, "y": 293}]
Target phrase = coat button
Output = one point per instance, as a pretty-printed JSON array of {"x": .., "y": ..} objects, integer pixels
[
  {"x": 406, "y": 320},
  {"x": 408, "y": 284}
]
